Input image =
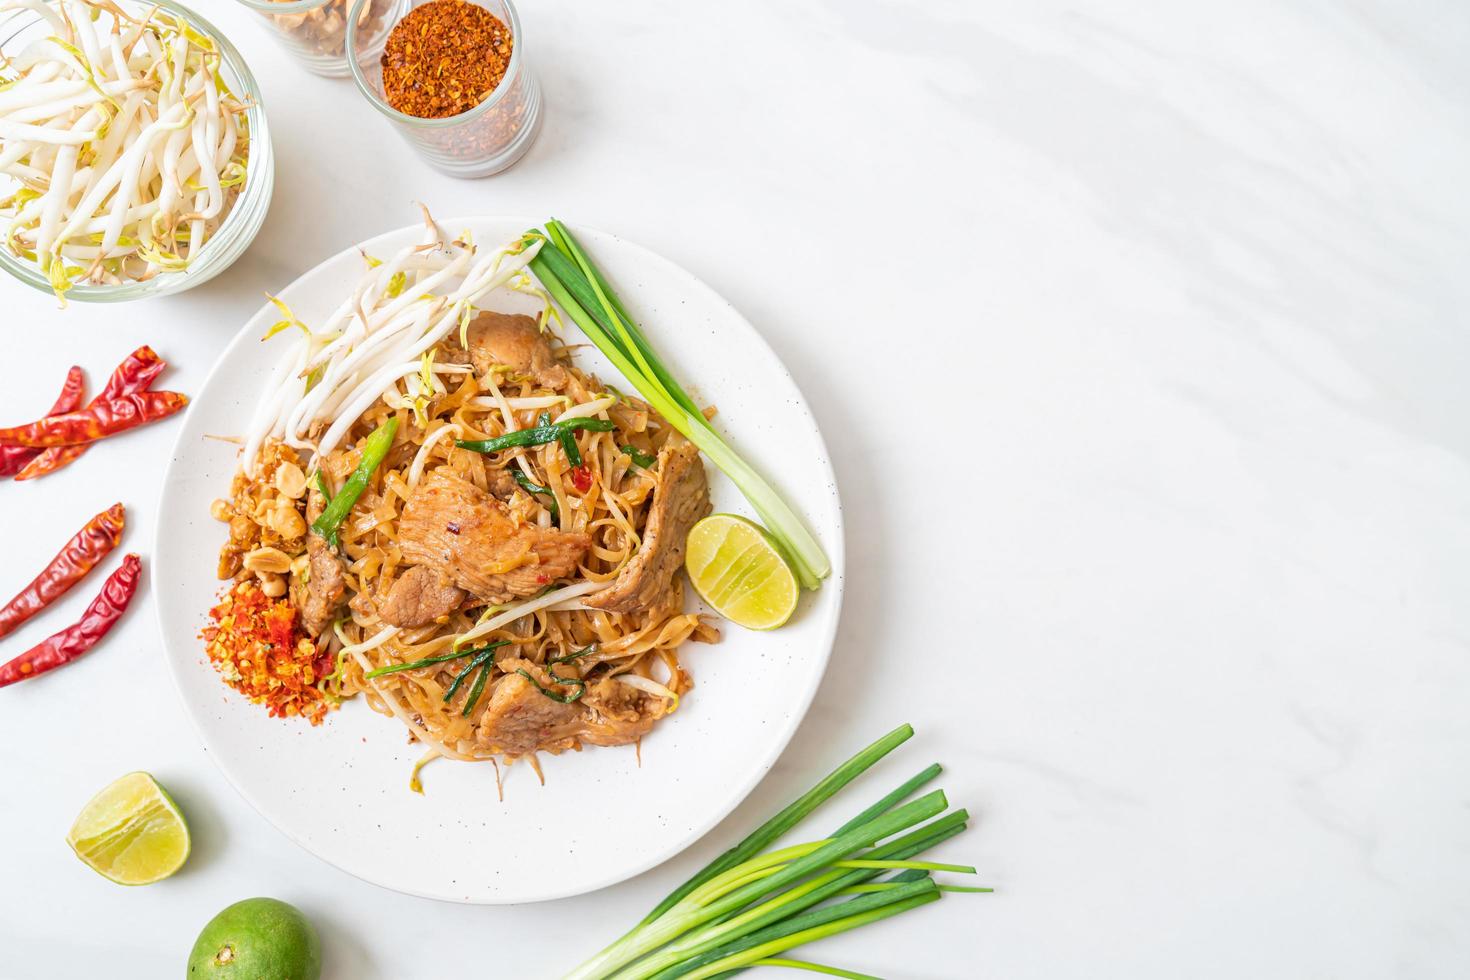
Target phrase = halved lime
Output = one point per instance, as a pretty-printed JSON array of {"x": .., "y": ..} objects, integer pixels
[
  {"x": 738, "y": 569},
  {"x": 132, "y": 832}
]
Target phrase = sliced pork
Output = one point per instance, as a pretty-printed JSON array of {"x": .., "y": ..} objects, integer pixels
[
  {"x": 319, "y": 594},
  {"x": 520, "y": 719},
  {"x": 682, "y": 498},
  {"x": 517, "y": 343},
  {"x": 419, "y": 597},
  {"x": 470, "y": 539}
]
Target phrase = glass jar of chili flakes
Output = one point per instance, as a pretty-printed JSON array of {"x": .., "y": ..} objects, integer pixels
[
  {"x": 315, "y": 31},
  {"x": 452, "y": 77}
]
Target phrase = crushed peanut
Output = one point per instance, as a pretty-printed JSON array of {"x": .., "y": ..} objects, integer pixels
[
  {"x": 266, "y": 514},
  {"x": 267, "y": 560}
]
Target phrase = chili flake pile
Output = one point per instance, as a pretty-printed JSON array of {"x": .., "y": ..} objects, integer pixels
[
  {"x": 445, "y": 57},
  {"x": 258, "y": 650}
]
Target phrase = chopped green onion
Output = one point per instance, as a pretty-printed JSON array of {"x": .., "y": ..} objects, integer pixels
[
  {"x": 575, "y": 283},
  {"x": 575, "y": 655},
  {"x": 484, "y": 656},
  {"x": 535, "y": 489},
  {"x": 478, "y": 689},
  {"x": 639, "y": 458},
  {"x": 431, "y": 661},
  {"x": 539, "y": 435},
  {"x": 576, "y": 682},
  {"x": 374, "y": 449},
  {"x": 321, "y": 485}
]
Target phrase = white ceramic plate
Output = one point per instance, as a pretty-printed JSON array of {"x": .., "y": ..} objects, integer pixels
[{"x": 341, "y": 790}]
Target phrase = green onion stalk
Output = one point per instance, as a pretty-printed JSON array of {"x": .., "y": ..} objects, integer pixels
[
  {"x": 750, "y": 904},
  {"x": 569, "y": 276}
]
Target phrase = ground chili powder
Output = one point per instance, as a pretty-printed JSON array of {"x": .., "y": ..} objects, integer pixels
[{"x": 444, "y": 58}]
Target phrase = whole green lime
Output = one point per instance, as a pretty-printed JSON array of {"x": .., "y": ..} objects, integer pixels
[{"x": 257, "y": 939}]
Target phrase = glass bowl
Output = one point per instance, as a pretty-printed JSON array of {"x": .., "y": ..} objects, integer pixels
[
  {"x": 22, "y": 25},
  {"x": 478, "y": 142},
  {"x": 315, "y": 31}
]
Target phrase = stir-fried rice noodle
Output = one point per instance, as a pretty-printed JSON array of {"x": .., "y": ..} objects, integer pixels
[{"x": 630, "y": 675}]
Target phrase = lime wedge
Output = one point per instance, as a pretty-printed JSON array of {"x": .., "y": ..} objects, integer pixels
[
  {"x": 132, "y": 832},
  {"x": 739, "y": 571}
]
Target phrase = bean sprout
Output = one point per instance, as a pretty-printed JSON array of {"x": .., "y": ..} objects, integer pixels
[
  {"x": 125, "y": 146},
  {"x": 398, "y": 309}
]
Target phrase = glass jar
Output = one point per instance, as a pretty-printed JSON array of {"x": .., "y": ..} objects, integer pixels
[
  {"x": 478, "y": 142},
  {"x": 315, "y": 31},
  {"x": 22, "y": 25}
]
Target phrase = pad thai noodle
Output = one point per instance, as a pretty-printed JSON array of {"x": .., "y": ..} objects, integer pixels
[{"x": 453, "y": 520}]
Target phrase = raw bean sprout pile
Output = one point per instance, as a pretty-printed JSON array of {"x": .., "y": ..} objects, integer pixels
[{"x": 126, "y": 147}]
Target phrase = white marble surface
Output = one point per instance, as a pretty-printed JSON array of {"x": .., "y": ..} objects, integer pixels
[{"x": 1138, "y": 333}]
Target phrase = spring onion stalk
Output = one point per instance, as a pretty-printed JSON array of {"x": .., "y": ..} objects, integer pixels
[
  {"x": 794, "y": 924},
  {"x": 374, "y": 448},
  {"x": 793, "y": 814},
  {"x": 781, "y": 944},
  {"x": 830, "y": 971},
  {"x": 753, "y": 904},
  {"x": 571, "y": 279},
  {"x": 128, "y": 146},
  {"x": 805, "y": 896},
  {"x": 893, "y": 799},
  {"x": 689, "y": 913}
]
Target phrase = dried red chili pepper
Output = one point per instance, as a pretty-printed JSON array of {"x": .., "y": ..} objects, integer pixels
[
  {"x": 134, "y": 374},
  {"x": 82, "y": 554},
  {"x": 581, "y": 478},
  {"x": 106, "y": 418},
  {"x": 13, "y": 459},
  {"x": 66, "y": 646}
]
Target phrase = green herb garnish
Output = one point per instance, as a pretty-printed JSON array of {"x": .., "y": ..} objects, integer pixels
[
  {"x": 535, "y": 490},
  {"x": 374, "y": 450},
  {"x": 576, "y": 682},
  {"x": 577, "y": 655},
  {"x": 639, "y": 458},
  {"x": 326, "y": 492},
  {"x": 477, "y": 690},
  {"x": 547, "y": 431},
  {"x": 431, "y": 661},
  {"x": 482, "y": 657}
]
